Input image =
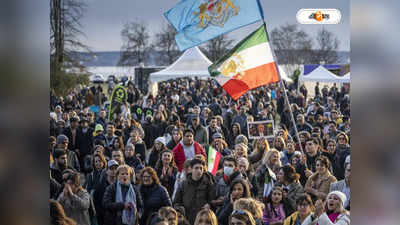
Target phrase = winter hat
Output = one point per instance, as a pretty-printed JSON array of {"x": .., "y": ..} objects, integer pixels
[
  {"x": 111, "y": 163},
  {"x": 98, "y": 127},
  {"x": 160, "y": 140},
  {"x": 61, "y": 139},
  {"x": 339, "y": 194},
  {"x": 217, "y": 135}
]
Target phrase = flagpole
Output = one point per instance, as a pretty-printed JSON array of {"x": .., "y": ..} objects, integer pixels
[{"x": 284, "y": 89}]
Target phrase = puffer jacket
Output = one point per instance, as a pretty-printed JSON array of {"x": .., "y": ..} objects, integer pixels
[{"x": 193, "y": 195}]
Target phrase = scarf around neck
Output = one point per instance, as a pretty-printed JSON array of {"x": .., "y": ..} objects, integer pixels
[{"x": 128, "y": 216}]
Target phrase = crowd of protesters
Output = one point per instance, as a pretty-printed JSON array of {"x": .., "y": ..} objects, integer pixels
[{"x": 148, "y": 163}]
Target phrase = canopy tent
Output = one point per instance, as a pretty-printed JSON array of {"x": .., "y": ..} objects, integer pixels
[
  {"x": 192, "y": 63},
  {"x": 324, "y": 77},
  {"x": 321, "y": 75},
  {"x": 346, "y": 78}
]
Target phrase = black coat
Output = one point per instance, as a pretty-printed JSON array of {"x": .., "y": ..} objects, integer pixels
[
  {"x": 84, "y": 142},
  {"x": 98, "y": 195},
  {"x": 112, "y": 209},
  {"x": 224, "y": 212},
  {"x": 154, "y": 197}
]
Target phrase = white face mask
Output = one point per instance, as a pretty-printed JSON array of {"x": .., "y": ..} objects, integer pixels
[{"x": 228, "y": 170}]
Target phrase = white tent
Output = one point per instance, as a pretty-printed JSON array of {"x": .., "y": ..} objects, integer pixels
[
  {"x": 321, "y": 74},
  {"x": 346, "y": 78},
  {"x": 324, "y": 77},
  {"x": 191, "y": 63}
]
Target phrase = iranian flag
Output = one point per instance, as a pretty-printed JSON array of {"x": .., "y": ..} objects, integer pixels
[
  {"x": 213, "y": 160},
  {"x": 248, "y": 65}
]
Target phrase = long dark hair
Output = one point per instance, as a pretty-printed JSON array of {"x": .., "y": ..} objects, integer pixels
[
  {"x": 159, "y": 164},
  {"x": 268, "y": 201},
  {"x": 246, "y": 191}
]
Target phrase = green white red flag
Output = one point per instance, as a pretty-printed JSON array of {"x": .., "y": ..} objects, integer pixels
[
  {"x": 250, "y": 64},
  {"x": 213, "y": 160}
]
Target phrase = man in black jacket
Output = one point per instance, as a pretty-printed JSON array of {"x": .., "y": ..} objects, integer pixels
[
  {"x": 109, "y": 178},
  {"x": 84, "y": 142}
]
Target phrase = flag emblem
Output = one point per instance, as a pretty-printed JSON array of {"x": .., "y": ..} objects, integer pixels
[
  {"x": 234, "y": 66},
  {"x": 215, "y": 12}
]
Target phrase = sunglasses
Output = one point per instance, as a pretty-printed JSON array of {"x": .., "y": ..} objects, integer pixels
[{"x": 238, "y": 212}]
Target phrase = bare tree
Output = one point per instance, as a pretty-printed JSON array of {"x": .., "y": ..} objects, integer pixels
[
  {"x": 291, "y": 45},
  {"x": 165, "y": 42},
  {"x": 65, "y": 30},
  {"x": 217, "y": 47},
  {"x": 135, "y": 44},
  {"x": 327, "y": 45}
]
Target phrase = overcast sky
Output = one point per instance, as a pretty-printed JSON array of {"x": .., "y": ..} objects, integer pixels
[{"x": 104, "y": 19}]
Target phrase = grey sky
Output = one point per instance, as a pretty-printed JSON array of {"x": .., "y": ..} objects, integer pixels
[{"x": 104, "y": 19}]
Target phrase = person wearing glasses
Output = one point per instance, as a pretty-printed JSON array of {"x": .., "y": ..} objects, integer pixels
[
  {"x": 342, "y": 151},
  {"x": 304, "y": 207},
  {"x": 154, "y": 195},
  {"x": 241, "y": 217}
]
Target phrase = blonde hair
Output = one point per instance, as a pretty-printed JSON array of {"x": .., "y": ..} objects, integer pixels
[
  {"x": 209, "y": 213},
  {"x": 253, "y": 206},
  {"x": 125, "y": 167},
  {"x": 268, "y": 156}
]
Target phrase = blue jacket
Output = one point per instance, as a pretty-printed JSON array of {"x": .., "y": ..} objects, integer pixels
[{"x": 154, "y": 197}]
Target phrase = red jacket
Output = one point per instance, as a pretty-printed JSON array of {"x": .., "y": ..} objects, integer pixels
[{"x": 179, "y": 154}]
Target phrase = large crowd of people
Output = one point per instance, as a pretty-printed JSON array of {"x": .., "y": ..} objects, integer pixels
[{"x": 148, "y": 162}]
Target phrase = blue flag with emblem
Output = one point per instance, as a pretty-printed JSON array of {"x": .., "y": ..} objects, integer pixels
[{"x": 197, "y": 21}]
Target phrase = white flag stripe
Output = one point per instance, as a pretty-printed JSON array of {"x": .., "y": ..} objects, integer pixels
[{"x": 252, "y": 57}]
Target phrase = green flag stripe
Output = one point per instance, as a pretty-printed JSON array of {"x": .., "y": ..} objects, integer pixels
[{"x": 257, "y": 37}]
